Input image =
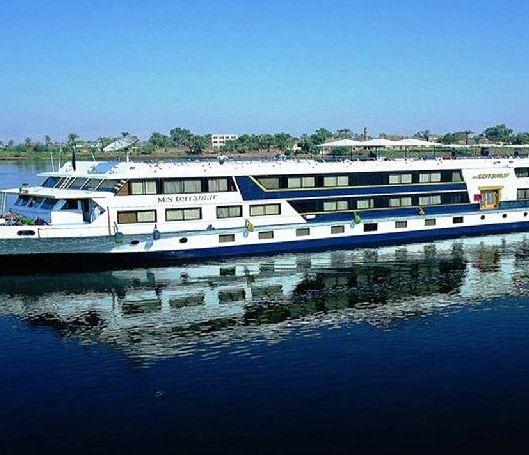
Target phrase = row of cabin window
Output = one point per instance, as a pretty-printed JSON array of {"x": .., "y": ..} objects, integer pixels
[
  {"x": 379, "y": 202},
  {"x": 366, "y": 179},
  {"x": 189, "y": 214},
  {"x": 181, "y": 186},
  {"x": 340, "y": 229}
]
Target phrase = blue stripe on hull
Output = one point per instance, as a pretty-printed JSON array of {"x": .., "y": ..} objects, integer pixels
[{"x": 30, "y": 263}]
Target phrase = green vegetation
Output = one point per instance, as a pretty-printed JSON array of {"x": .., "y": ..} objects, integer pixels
[{"x": 181, "y": 141}]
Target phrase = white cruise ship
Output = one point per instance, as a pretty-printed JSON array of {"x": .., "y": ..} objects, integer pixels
[{"x": 123, "y": 213}]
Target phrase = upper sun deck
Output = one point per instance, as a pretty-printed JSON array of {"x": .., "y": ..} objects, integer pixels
[{"x": 132, "y": 170}]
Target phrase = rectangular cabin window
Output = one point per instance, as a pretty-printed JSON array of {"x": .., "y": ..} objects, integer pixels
[
  {"x": 179, "y": 186},
  {"x": 266, "y": 235},
  {"x": 229, "y": 211},
  {"x": 362, "y": 204},
  {"x": 142, "y": 187},
  {"x": 150, "y": 187},
  {"x": 370, "y": 227},
  {"x": 401, "y": 224},
  {"x": 265, "y": 209},
  {"x": 457, "y": 176},
  {"x": 457, "y": 220},
  {"x": 301, "y": 232},
  {"x": 335, "y": 180},
  {"x": 217, "y": 185},
  {"x": 183, "y": 214},
  {"x": 136, "y": 188},
  {"x": 430, "y": 222},
  {"x": 226, "y": 238},
  {"x": 270, "y": 183},
  {"x": 523, "y": 193},
  {"x": 333, "y": 206},
  {"x": 430, "y": 200},
  {"x": 395, "y": 179},
  {"x": 137, "y": 216},
  {"x": 301, "y": 182},
  {"x": 338, "y": 229},
  {"x": 522, "y": 172},
  {"x": 400, "y": 202},
  {"x": 430, "y": 177}
]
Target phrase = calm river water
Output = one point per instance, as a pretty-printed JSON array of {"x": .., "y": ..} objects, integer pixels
[{"x": 421, "y": 347}]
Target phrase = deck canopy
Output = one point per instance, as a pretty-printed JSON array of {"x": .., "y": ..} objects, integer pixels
[
  {"x": 380, "y": 143},
  {"x": 342, "y": 143}
]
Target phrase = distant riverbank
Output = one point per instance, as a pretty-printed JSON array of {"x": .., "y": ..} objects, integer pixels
[{"x": 172, "y": 153}]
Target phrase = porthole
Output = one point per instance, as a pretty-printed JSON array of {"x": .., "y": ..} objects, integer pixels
[
  {"x": 524, "y": 213},
  {"x": 482, "y": 217},
  {"x": 183, "y": 240},
  {"x": 504, "y": 215},
  {"x": 25, "y": 233},
  {"x": 134, "y": 242}
]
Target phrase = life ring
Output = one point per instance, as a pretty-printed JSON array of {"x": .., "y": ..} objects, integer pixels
[{"x": 248, "y": 224}]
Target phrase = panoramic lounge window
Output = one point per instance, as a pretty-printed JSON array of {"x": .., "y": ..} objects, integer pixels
[
  {"x": 70, "y": 204},
  {"x": 50, "y": 182},
  {"x": 91, "y": 184},
  {"x": 229, "y": 211},
  {"x": 183, "y": 214},
  {"x": 265, "y": 209},
  {"x": 137, "y": 216},
  {"x": 107, "y": 185},
  {"x": 77, "y": 183}
]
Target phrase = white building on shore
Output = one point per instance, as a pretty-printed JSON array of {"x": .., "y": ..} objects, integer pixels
[{"x": 219, "y": 140}]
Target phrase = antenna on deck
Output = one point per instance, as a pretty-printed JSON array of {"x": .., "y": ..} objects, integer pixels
[{"x": 123, "y": 143}]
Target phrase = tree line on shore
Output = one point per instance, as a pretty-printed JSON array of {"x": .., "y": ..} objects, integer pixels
[{"x": 184, "y": 141}]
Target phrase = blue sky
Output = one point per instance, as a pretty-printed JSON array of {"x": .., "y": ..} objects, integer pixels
[{"x": 100, "y": 67}]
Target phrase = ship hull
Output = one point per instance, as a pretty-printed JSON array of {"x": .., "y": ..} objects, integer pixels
[{"x": 99, "y": 259}]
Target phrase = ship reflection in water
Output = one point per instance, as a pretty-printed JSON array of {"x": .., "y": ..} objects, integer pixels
[{"x": 200, "y": 309}]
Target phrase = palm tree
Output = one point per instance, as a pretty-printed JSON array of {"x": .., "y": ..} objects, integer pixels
[{"x": 72, "y": 139}]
